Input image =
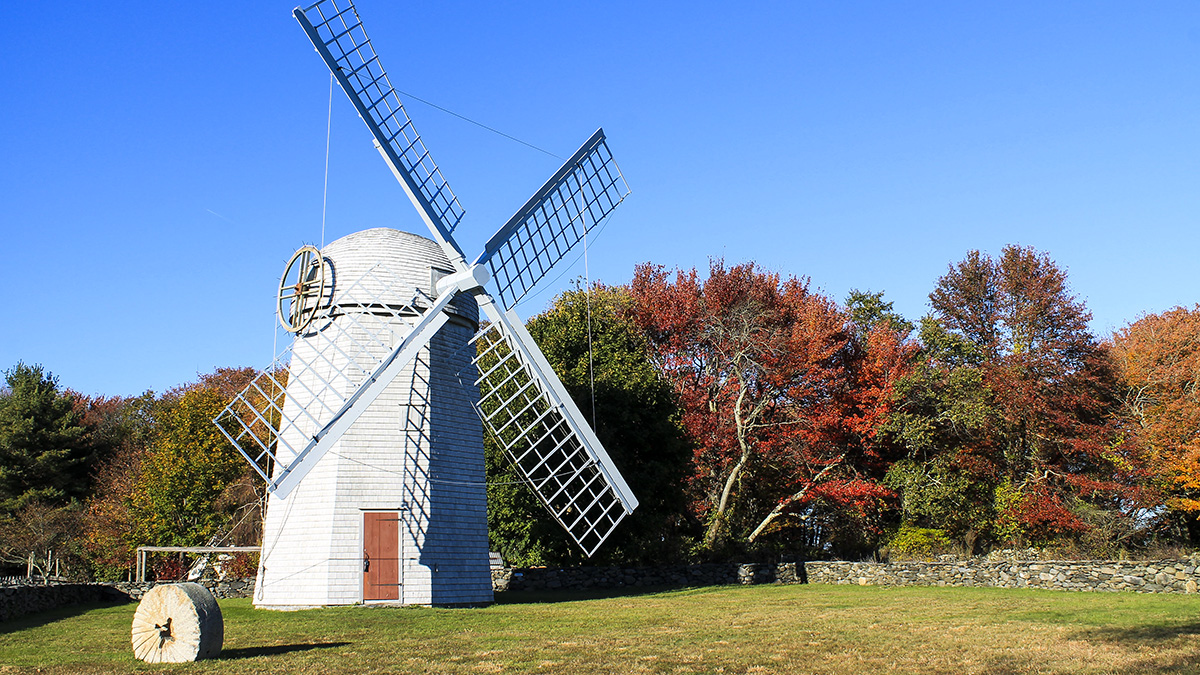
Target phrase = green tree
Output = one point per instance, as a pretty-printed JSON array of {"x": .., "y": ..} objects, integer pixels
[
  {"x": 942, "y": 416},
  {"x": 635, "y": 419},
  {"x": 176, "y": 497},
  {"x": 868, "y": 310},
  {"x": 42, "y": 454}
]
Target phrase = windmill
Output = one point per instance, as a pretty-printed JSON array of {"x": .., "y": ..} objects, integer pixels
[{"x": 367, "y": 429}]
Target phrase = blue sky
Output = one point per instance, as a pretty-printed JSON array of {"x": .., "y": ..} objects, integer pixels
[{"x": 161, "y": 161}]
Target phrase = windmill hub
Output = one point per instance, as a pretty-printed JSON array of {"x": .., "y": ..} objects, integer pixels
[{"x": 466, "y": 281}]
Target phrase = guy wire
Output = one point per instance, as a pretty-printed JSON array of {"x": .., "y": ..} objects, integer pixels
[
  {"x": 587, "y": 294},
  {"x": 479, "y": 124},
  {"x": 325, "y": 193}
]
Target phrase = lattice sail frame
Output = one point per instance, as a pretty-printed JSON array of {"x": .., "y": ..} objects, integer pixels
[
  {"x": 578, "y": 197},
  {"x": 274, "y": 419},
  {"x": 521, "y": 413}
]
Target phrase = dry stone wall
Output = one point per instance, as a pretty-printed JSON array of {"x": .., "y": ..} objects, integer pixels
[
  {"x": 667, "y": 576},
  {"x": 1143, "y": 576},
  {"x": 1152, "y": 576},
  {"x": 19, "y": 599},
  {"x": 226, "y": 588}
]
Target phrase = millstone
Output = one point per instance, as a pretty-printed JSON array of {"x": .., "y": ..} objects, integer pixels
[{"x": 176, "y": 623}]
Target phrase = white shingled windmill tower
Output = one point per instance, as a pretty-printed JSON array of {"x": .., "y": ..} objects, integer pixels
[{"x": 367, "y": 429}]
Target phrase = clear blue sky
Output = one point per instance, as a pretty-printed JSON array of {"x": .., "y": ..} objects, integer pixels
[{"x": 161, "y": 161}]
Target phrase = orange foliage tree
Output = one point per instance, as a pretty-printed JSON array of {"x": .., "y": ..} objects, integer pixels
[{"x": 1158, "y": 358}]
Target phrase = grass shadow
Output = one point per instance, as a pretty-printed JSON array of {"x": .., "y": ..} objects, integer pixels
[
  {"x": 272, "y": 650},
  {"x": 545, "y": 597},
  {"x": 1145, "y": 635},
  {"x": 36, "y": 619}
]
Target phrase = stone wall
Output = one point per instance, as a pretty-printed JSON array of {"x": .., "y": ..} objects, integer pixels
[
  {"x": 22, "y": 598},
  {"x": 1152, "y": 576},
  {"x": 228, "y": 588},
  {"x": 667, "y": 576},
  {"x": 1142, "y": 576},
  {"x": 18, "y": 600}
]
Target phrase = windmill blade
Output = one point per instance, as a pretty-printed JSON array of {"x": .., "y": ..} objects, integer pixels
[
  {"x": 339, "y": 37},
  {"x": 529, "y": 413},
  {"x": 292, "y": 413},
  {"x": 576, "y": 199}
]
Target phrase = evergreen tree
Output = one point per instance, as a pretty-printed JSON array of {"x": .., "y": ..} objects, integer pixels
[{"x": 42, "y": 454}]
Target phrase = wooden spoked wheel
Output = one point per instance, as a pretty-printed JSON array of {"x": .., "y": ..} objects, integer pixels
[
  {"x": 176, "y": 623},
  {"x": 301, "y": 289}
]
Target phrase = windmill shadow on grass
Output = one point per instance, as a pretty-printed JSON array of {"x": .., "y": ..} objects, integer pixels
[{"x": 272, "y": 650}]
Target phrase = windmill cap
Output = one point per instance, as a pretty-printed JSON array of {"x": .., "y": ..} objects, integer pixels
[{"x": 380, "y": 261}]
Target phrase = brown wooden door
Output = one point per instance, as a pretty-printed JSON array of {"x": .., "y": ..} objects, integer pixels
[{"x": 381, "y": 556}]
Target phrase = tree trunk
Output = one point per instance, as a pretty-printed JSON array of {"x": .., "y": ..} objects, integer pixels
[
  {"x": 782, "y": 506},
  {"x": 717, "y": 522}
]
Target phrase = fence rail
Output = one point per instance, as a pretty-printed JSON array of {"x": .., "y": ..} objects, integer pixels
[
  {"x": 143, "y": 550},
  {"x": 23, "y": 580}
]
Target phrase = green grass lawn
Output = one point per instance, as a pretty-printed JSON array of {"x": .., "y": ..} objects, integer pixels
[{"x": 732, "y": 629}]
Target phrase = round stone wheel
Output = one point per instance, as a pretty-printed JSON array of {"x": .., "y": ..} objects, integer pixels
[{"x": 176, "y": 623}]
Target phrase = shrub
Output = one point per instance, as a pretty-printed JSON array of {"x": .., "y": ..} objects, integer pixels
[{"x": 918, "y": 542}]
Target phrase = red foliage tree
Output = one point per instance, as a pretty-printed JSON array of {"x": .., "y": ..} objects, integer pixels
[
  {"x": 780, "y": 400},
  {"x": 120, "y": 431},
  {"x": 1050, "y": 437}
]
